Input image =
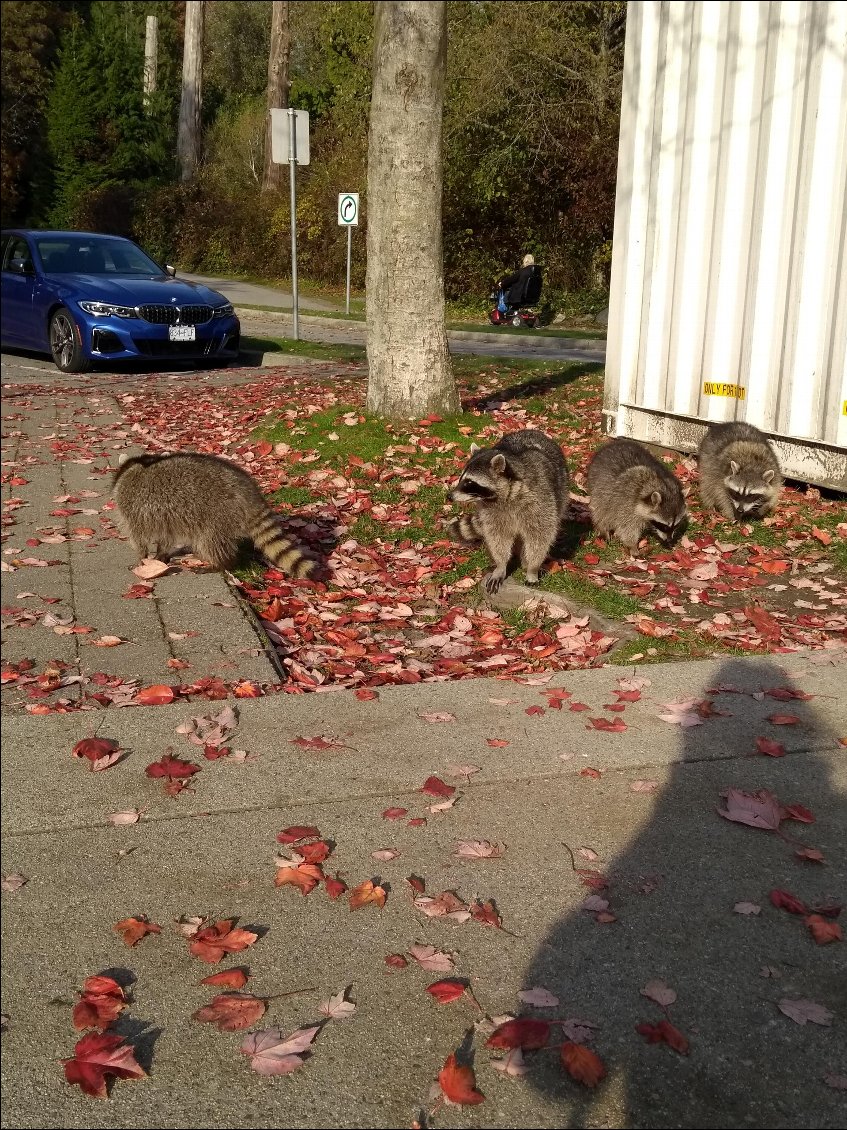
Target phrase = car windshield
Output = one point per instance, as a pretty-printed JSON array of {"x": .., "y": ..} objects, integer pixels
[{"x": 76, "y": 255}]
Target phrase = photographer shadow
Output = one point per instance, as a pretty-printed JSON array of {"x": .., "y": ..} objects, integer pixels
[{"x": 672, "y": 890}]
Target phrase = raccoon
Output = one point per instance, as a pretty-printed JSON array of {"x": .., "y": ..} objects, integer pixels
[
  {"x": 739, "y": 472},
  {"x": 169, "y": 501},
  {"x": 519, "y": 489},
  {"x": 632, "y": 493}
]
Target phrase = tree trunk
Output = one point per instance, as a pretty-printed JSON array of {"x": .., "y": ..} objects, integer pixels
[
  {"x": 278, "y": 57},
  {"x": 409, "y": 365},
  {"x": 151, "y": 41},
  {"x": 191, "y": 103}
]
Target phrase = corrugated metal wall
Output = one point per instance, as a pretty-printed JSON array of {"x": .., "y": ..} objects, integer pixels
[{"x": 729, "y": 274}]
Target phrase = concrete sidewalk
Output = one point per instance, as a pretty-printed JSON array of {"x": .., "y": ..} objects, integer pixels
[
  {"x": 636, "y": 806},
  {"x": 675, "y": 871}
]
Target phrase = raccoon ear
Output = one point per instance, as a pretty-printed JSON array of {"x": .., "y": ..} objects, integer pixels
[
  {"x": 655, "y": 498},
  {"x": 122, "y": 458},
  {"x": 734, "y": 467},
  {"x": 475, "y": 448},
  {"x": 768, "y": 476},
  {"x": 498, "y": 464}
]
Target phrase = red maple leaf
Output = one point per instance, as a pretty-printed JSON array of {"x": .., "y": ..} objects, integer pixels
[
  {"x": 458, "y": 1083},
  {"x": 315, "y": 852},
  {"x": 797, "y": 812},
  {"x": 94, "y": 748},
  {"x": 168, "y": 766},
  {"x": 788, "y": 694},
  {"x": 446, "y": 991},
  {"x": 227, "y": 979},
  {"x": 101, "y": 1001},
  {"x": 159, "y": 695},
  {"x": 485, "y": 913},
  {"x": 770, "y": 748},
  {"x": 213, "y": 942},
  {"x": 335, "y": 887},
  {"x": 365, "y": 893},
  {"x": 582, "y": 1064},
  {"x": 304, "y": 876},
  {"x": 589, "y": 772},
  {"x": 612, "y": 726},
  {"x": 230, "y": 1012},
  {"x": 297, "y": 832},
  {"x": 396, "y": 961},
  {"x": 784, "y": 900},
  {"x": 134, "y": 929},
  {"x": 823, "y": 930},
  {"x": 394, "y": 813},
  {"x": 526, "y": 1033},
  {"x": 434, "y": 786},
  {"x": 664, "y": 1033},
  {"x": 764, "y": 623},
  {"x": 97, "y": 1056}
]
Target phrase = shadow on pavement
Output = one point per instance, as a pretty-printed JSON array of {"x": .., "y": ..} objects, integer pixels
[{"x": 672, "y": 890}]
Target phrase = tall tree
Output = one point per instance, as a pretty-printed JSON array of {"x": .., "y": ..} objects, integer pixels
[
  {"x": 191, "y": 103},
  {"x": 28, "y": 33},
  {"x": 278, "y": 57},
  {"x": 409, "y": 364}
]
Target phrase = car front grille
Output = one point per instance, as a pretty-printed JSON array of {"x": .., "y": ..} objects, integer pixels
[
  {"x": 148, "y": 348},
  {"x": 162, "y": 315}
]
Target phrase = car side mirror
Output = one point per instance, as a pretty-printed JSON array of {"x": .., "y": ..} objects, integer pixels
[
  {"x": 22, "y": 268},
  {"x": 171, "y": 270}
]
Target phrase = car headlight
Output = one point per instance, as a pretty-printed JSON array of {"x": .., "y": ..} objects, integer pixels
[
  {"x": 223, "y": 311},
  {"x": 107, "y": 310}
]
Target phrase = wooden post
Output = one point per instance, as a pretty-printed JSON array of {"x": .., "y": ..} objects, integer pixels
[
  {"x": 151, "y": 57},
  {"x": 191, "y": 103},
  {"x": 278, "y": 57}
]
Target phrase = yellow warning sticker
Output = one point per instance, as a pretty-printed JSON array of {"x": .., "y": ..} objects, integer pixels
[
  {"x": 844, "y": 408},
  {"x": 716, "y": 388}
]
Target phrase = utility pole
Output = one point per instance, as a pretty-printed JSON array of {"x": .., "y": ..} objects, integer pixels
[
  {"x": 151, "y": 57},
  {"x": 278, "y": 57},
  {"x": 191, "y": 103}
]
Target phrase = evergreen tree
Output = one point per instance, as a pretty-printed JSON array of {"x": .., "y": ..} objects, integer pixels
[{"x": 101, "y": 135}]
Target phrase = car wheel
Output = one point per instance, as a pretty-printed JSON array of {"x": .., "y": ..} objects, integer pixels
[
  {"x": 517, "y": 320},
  {"x": 64, "y": 344}
]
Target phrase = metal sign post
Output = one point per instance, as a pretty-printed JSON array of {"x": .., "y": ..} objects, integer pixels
[
  {"x": 292, "y": 168},
  {"x": 348, "y": 217},
  {"x": 290, "y": 146}
]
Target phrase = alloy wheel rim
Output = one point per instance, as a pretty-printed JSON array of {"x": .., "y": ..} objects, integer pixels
[{"x": 62, "y": 340}]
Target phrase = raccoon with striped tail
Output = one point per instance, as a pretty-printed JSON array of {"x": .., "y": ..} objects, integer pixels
[
  {"x": 519, "y": 492},
  {"x": 739, "y": 472},
  {"x": 632, "y": 493},
  {"x": 166, "y": 502}
]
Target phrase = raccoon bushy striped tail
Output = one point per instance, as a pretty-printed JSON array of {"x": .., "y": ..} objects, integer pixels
[
  {"x": 465, "y": 528},
  {"x": 280, "y": 549}
]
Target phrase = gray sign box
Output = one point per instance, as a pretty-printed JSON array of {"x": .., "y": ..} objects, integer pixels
[{"x": 279, "y": 137}]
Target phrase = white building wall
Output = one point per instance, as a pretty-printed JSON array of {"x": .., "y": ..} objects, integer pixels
[{"x": 729, "y": 272}]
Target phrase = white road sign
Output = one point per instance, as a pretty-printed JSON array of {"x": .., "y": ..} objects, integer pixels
[
  {"x": 280, "y": 134},
  {"x": 348, "y": 209}
]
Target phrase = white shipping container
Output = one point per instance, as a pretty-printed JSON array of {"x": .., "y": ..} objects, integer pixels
[{"x": 729, "y": 274}]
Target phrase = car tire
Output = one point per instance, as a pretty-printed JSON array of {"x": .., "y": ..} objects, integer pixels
[
  {"x": 517, "y": 321},
  {"x": 65, "y": 346}
]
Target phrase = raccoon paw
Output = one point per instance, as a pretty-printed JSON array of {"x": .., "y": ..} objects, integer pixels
[{"x": 493, "y": 582}]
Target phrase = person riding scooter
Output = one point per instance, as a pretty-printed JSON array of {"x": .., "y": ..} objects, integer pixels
[{"x": 516, "y": 291}]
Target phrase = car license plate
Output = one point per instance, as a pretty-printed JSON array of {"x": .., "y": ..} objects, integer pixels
[{"x": 181, "y": 333}]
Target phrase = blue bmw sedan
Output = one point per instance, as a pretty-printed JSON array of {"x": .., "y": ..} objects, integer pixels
[{"x": 88, "y": 298}]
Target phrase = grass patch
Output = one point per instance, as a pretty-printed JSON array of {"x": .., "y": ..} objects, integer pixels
[
  {"x": 321, "y": 351},
  {"x": 294, "y": 497},
  {"x": 610, "y": 602},
  {"x": 687, "y": 645},
  {"x": 368, "y": 440}
]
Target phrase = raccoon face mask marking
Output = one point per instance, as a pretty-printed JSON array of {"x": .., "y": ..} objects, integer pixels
[
  {"x": 750, "y": 495},
  {"x": 469, "y": 490}
]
